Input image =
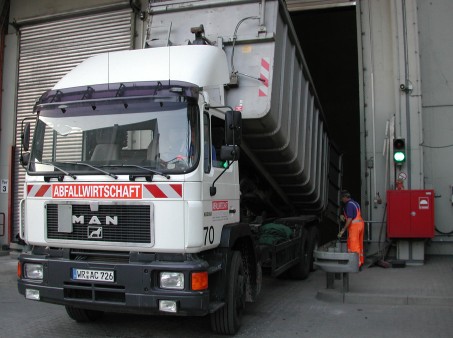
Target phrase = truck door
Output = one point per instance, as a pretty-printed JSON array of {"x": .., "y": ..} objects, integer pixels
[{"x": 223, "y": 207}]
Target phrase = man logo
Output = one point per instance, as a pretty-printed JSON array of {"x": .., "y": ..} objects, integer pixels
[
  {"x": 95, "y": 232},
  {"x": 95, "y": 220}
]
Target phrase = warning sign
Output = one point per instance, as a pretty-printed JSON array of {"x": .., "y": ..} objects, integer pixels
[
  {"x": 402, "y": 176},
  {"x": 423, "y": 203},
  {"x": 4, "y": 186}
]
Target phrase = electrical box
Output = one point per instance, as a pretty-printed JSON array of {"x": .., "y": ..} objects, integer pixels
[{"x": 410, "y": 213}]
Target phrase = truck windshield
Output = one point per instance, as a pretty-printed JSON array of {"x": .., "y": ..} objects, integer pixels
[{"x": 124, "y": 136}]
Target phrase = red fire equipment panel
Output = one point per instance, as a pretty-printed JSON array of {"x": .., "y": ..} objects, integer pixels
[{"x": 410, "y": 213}]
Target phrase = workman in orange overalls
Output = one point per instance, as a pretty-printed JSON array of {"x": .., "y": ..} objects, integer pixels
[{"x": 354, "y": 225}]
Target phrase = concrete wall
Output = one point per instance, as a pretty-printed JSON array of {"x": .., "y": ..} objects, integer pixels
[
  {"x": 436, "y": 50},
  {"x": 379, "y": 98}
]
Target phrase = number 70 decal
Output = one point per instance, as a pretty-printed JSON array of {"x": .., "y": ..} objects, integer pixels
[{"x": 208, "y": 235}]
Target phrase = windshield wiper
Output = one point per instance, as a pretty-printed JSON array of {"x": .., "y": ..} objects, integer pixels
[
  {"x": 156, "y": 172},
  {"x": 67, "y": 173},
  {"x": 98, "y": 169}
]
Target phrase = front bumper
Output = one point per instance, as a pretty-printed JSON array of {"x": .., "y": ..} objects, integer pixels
[{"x": 135, "y": 289}]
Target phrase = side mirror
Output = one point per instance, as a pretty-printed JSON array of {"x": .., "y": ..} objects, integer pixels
[
  {"x": 25, "y": 137},
  {"x": 230, "y": 153},
  {"x": 233, "y": 127}
]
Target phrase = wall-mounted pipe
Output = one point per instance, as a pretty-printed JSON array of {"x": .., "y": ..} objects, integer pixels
[
  {"x": 408, "y": 108},
  {"x": 262, "y": 12}
]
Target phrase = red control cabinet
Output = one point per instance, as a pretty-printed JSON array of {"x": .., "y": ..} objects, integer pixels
[{"x": 410, "y": 213}]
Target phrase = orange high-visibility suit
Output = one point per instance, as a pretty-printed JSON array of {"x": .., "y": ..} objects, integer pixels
[{"x": 355, "y": 229}]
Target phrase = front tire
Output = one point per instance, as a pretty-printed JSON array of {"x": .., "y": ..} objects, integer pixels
[
  {"x": 83, "y": 315},
  {"x": 227, "y": 320}
]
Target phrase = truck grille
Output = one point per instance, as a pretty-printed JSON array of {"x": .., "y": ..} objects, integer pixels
[{"x": 134, "y": 224}]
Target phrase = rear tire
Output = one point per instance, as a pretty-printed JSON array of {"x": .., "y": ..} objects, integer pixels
[
  {"x": 227, "y": 320},
  {"x": 301, "y": 270},
  {"x": 83, "y": 315}
]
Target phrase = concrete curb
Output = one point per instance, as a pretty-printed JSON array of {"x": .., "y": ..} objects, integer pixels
[
  {"x": 424, "y": 300},
  {"x": 335, "y": 296},
  {"x": 376, "y": 299}
]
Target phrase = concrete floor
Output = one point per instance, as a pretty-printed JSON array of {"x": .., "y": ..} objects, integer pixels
[{"x": 415, "y": 301}]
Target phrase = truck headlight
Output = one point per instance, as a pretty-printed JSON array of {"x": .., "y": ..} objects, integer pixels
[
  {"x": 32, "y": 294},
  {"x": 172, "y": 280},
  {"x": 33, "y": 271},
  {"x": 168, "y": 306}
]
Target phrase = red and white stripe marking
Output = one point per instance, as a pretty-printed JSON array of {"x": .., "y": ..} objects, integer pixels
[
  {"x": 162, "y": 191},
  {"x": 39, "y": 190},
  {"x": 264, "y": 75}
]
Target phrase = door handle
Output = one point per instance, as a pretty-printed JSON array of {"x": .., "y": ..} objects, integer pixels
[{"x": 232, "y": 211}]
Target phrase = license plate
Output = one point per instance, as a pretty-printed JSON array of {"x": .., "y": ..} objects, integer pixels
[{"x": 93, "y": 275}]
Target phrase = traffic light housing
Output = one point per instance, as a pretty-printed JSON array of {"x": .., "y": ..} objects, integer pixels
[{"x": 399, "y": 151}]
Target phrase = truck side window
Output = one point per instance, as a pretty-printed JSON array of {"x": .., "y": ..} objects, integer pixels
[{"x": 218, "y": 135}]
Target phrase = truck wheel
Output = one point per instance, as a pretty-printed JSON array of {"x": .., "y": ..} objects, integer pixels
[
  {"x": 83, "y": 315},
  {"x": 302, "y": 269},
  {"x": 227, "y": 320},
  {"x": 313, "y": 245}
]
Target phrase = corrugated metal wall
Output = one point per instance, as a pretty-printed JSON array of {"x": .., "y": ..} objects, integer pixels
[
  {"x": 48, "y": 51},
  {"x": 436, "y": 63}
]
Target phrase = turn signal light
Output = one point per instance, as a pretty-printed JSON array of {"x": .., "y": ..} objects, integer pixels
[
  {"x": 199, "y": 280},
  {"x": 19, "y": 270}
]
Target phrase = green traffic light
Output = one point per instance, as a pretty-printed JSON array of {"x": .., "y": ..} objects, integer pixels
[
  {"x": 399, "y": 151},
  {"x": 399, "y": 156}
]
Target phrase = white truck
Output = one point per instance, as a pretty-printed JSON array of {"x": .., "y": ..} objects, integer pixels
[{"x": 165, "y": 180}]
